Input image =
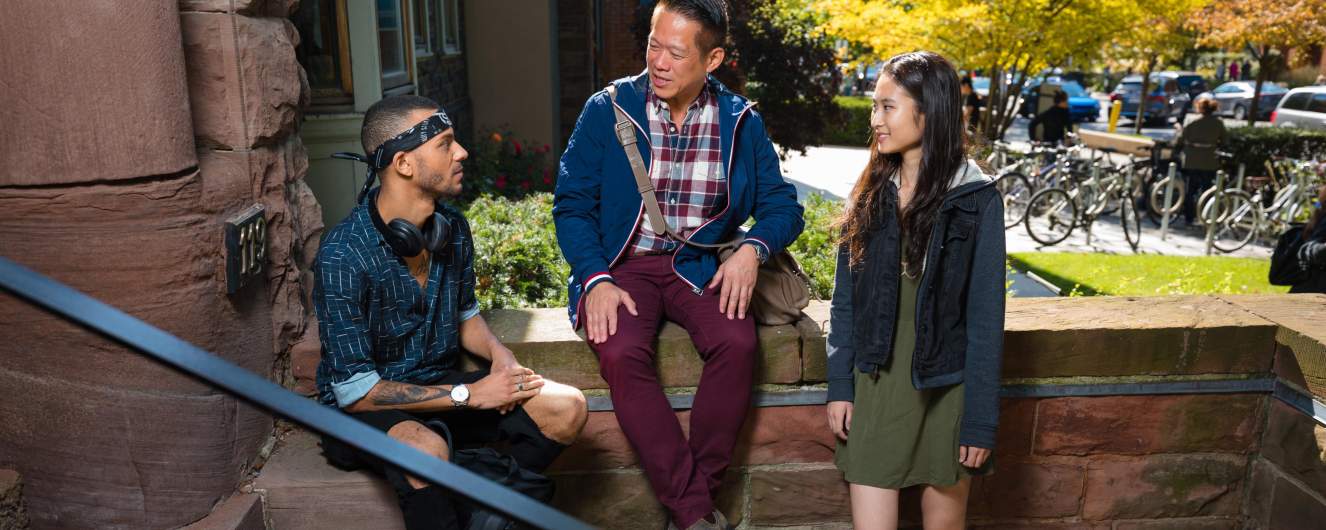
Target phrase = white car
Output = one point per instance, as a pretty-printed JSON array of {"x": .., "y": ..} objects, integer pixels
[{"x": 1303, "y": 107}]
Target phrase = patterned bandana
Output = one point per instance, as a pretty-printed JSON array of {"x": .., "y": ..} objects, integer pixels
[{"x": 406, "y": 141}]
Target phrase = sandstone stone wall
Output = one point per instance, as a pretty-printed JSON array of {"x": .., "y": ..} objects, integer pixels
[
  {"x": 1120, "y": 413},
  {"x": 138, "y": 127}
]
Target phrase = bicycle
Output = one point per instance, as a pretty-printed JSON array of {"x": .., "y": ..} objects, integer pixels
[
  {"x": 1237, "y": 217},
  {"x": 1053, "y": 213}
]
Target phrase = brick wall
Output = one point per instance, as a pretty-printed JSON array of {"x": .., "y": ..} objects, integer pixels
[
  {"x": 443, "y": 78},
  {"x": 622, "y": 53},
  {"x": 578, "y": 53}
]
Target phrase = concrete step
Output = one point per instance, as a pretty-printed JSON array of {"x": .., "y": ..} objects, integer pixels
[
  {"x": 243, "y": 511},
  {"x": 302, "y": 491}
]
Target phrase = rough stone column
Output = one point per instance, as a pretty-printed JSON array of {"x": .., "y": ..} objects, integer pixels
[{"x": 112, "y": 183}]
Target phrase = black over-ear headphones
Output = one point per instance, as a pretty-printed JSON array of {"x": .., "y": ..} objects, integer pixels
[{"x": 408, "y": 240}]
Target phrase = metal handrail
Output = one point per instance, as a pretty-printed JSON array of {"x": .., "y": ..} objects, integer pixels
[{"x": 117, "y": 325}]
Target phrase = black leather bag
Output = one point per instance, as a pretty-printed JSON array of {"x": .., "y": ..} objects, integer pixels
[
  {"x": 1285, "y": 267},
  {"x": 499, "y": 468}
]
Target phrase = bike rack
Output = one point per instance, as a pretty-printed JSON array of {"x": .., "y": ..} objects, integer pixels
[{"x": 1169, "y": 198}]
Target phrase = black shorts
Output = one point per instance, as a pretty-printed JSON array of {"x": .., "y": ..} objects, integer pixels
[{"x": 468, "y": 428}]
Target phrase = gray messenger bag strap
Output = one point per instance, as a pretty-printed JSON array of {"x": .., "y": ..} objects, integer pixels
[{"x": 782, "y": 289}]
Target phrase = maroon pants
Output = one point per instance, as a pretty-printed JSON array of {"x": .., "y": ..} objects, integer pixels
[{"x": 685, "y": 474}]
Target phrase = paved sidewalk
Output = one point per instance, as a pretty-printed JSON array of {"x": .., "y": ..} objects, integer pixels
[{"x": 833, "y": 170}]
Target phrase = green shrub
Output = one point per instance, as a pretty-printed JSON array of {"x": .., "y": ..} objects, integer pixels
[
  {"x": 816, "y": 247},
  {"x": 516, "y": 259},
  {"x": 1254, "y": 145},
  {"x": 855, "y": 127}
]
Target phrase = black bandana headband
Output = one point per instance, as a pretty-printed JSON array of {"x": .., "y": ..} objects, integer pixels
[{"x": 406, "y": 141}]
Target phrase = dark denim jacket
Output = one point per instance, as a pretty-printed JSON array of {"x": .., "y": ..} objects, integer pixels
[{"x": 960, "y": 306}]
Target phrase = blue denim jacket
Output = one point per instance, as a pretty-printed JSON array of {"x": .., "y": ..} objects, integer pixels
[{"x": 960, "y": 307}]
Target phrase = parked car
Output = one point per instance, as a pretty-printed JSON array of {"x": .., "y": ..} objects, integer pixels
[
  {"x": 1190, "y": 83},
  {"x": 981, "y": 85},
  {"x": 1302, "y": 107},
  {"x": 1235, "y": 99},
  {"x": 1081, "y": 106},
  {"x": 1166, "y": 100}
]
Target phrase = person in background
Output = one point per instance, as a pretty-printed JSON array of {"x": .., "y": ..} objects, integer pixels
[
  {"x": 1197, "y": 143},
  {"x": 1054, "y": 122},
  {"x": 1312, "y": 255},
  {"x": 971, "y": 105}
]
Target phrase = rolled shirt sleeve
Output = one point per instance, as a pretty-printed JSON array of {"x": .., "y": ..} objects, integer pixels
[{"x": 338, "y": 287}]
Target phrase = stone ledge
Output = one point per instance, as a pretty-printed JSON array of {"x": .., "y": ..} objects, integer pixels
[
  {"x": 1045, "y": 338},
  {"x": 1300, "y": 335},
  {"x": 1068, "y": 340},
  {"x": 543, "y": 340}
]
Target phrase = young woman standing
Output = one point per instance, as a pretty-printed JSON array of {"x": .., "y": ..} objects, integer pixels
[{"x": 917, "y": 318}]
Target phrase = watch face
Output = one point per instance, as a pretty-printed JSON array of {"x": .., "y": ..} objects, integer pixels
[{"x": 460, "y": 393}]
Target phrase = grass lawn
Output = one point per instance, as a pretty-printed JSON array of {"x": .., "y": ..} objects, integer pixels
[{"x": 1147, "y": 275}]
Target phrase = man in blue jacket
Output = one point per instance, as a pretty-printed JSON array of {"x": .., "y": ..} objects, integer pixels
[{"x": 712, "y": 167}]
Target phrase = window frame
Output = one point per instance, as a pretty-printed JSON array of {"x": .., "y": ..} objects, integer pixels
[
  {"x": 421, "y": 10},
  {"x": 449, "y": 19},
  {"x": 344, "y": 93},
  {"x": 401, "y": 82}
]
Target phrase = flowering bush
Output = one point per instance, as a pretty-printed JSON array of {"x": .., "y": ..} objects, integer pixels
[{"x": 500, "y": 165}]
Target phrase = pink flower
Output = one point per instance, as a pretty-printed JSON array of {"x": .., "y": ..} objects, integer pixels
[
  {"x": 547, "y": 148},
  {"x": 501, "y": 182},
  {"x": 517, "y": 146}
]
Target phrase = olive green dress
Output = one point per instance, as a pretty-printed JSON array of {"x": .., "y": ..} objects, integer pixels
[{"x": 902, "y": 436}]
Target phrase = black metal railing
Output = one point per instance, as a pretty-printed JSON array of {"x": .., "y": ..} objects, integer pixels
[{"x": 116, "y": 325}]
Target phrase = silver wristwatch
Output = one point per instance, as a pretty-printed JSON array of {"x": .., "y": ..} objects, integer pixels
[{"x": 460, "y": 396}]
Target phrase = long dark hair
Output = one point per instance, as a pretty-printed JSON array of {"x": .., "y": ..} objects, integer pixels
[{"x": 933, "y": 82}]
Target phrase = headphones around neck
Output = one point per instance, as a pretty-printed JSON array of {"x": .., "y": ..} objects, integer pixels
[{"x": 408, "y": 240}]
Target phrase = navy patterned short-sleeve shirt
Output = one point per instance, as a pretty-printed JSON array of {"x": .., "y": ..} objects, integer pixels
[{"x": 374, "y": 319}]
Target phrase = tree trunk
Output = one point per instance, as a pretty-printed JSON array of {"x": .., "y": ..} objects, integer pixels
[
  {"x": 1263, "y": 64},
  {"x": 1014, "y": 89},
  {"x": 1146, "y": 93}
]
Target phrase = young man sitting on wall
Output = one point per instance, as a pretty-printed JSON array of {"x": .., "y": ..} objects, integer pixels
[{"x": 394, "y": 295}]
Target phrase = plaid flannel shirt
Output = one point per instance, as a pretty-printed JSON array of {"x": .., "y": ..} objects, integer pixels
[{"x": 686, "y": 168}]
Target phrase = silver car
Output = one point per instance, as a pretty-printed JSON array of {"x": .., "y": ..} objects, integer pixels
[
  {"x": 1303, "y": 107},
  {"x": 1235, "y": 99}
]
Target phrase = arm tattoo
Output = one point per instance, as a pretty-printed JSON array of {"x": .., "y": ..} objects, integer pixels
[{"x": 393, "y": 393}]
